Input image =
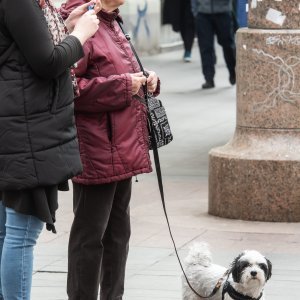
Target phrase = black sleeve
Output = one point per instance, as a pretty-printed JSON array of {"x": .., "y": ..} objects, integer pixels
[{"x": 27, "y": 25}]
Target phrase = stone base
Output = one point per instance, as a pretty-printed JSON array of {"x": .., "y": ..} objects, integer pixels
[{"x": 256, "y": 176}]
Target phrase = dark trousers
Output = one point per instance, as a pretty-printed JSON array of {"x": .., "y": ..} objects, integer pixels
[
  {"x": 209, "y": 25},
  {"x": 99, "y": 241},
  {"x": 187, "y": 26}
]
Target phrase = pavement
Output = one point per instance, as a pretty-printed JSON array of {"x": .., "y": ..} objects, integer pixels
[{"x": 200, "y": 120}]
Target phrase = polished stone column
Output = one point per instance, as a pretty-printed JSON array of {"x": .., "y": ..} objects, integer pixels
[{"x": 256, "y": 175}]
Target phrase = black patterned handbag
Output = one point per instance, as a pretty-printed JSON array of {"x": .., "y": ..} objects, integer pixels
[{"x": 159, "y": 129}]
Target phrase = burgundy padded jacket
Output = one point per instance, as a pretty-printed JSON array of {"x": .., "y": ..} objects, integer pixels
[{"x": 111, "y": 123}]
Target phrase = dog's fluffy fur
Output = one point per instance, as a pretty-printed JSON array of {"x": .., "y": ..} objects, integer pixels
[{"x": 250, "y": 270}]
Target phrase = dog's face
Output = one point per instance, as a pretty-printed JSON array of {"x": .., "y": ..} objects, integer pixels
[{"x": 251, "y": 268}]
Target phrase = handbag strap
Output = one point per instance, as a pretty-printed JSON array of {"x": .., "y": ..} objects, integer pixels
[{"x": 159, "y": 174}]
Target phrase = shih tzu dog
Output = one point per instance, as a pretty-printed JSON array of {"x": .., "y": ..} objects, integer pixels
[{"x": 244, "y": 280}]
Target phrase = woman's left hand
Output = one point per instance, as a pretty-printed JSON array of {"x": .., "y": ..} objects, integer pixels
[
  {"x": 79, "y": 11},
  {"x": 152, "y": 81}
]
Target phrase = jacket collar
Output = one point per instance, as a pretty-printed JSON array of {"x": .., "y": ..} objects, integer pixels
[{"x": 110, "y": 16}]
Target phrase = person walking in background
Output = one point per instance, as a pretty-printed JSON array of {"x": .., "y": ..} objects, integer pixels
[
  {"x": 178, "y": 13},
  {"x": 38, "y": 145},
  {"x": 214, "y": 17},
  {"x": 111, "y": 120}
]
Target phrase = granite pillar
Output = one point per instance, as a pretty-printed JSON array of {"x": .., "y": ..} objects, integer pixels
[{"x": 256, "y": 175}]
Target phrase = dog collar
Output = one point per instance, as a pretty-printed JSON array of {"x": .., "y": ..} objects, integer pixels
[{"x": 236, "y": 295}]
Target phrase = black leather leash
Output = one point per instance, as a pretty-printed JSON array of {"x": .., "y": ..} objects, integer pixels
[{"x": 160, "y": 183}]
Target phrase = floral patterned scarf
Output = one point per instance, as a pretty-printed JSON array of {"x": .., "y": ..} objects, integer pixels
[{"x": 58, "y": 31}]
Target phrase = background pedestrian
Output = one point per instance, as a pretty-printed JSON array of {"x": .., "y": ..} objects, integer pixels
[
  {"x": 178, "y": 13},
  {"x": 214, "y": 18}
]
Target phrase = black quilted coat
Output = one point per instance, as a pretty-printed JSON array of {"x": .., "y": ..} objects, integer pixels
[{"x": 38, "y": 144}]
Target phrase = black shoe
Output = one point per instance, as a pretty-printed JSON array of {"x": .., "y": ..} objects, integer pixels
[
  {"x": 232, "y": 79},
  {"x": 209, "y": 84}
]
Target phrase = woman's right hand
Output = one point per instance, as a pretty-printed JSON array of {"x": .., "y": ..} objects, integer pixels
[
  {"x": 75, "y": 14},
  {"x": 86, "y": 26},
  {"x": 137, "y": 79}
]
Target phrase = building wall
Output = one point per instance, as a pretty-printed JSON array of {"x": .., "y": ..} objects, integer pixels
[{"x": 142, "y": 21}]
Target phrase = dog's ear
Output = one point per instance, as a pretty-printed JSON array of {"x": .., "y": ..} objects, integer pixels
[
  {"x": 269, "y": 269},
  {"x": 235, "y": 269}
]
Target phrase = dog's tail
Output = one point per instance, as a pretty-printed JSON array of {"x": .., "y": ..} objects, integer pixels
[{"x": 199, "y": 254}]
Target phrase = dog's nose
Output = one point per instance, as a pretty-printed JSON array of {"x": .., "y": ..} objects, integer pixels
[{"x": 253, "y": 273}]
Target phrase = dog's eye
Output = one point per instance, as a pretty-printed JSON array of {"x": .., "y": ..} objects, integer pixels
[
  {"x": 263, "y": 267},
  {"x": 244, "y": 265}
]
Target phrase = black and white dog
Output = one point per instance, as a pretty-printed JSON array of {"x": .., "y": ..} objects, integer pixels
[{"x": 244, "y": 280}]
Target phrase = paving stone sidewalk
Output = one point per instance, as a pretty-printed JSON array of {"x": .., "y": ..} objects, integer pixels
[{"x": 200, "y": 120}]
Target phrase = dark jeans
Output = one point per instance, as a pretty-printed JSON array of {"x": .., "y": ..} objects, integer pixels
[
  {"x": 99, "y": 241},
  {"x": 209, "y": 25}
]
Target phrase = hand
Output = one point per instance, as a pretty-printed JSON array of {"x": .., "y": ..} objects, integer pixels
[
  {"x": 152, "y": 81},
  {"x": 137, "y": 79},
  {"x": 86, "y": 26},
  {"x": 79, "y": 11},
  {"x": 97, "y": 5}
]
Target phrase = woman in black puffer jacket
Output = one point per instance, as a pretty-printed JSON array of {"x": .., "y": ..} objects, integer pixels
[{"x": 38, "y": 145}]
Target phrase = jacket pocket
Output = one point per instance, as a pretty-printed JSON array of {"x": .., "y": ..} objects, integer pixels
[{"x": 109, "y": 127}]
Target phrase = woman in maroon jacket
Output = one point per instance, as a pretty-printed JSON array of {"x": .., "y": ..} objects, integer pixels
[{"x": 113, "y": 139}]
